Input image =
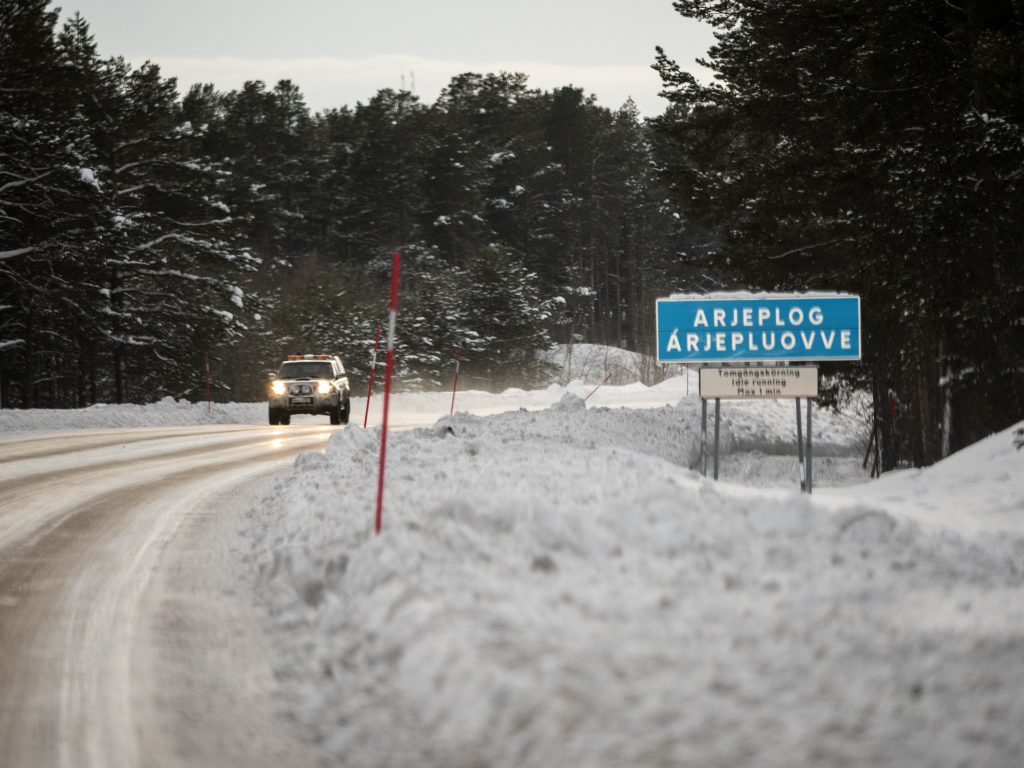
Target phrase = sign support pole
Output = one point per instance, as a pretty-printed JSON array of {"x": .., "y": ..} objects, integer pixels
[
  {"x": 809, "y": 473},
  {"x": 704, "y": 437},
  {"x": 718, "y": 420},
  {"x": 392, "y": 313},
  {"x": 800, "y": 446},
  {"x": 876, "y": 468}
]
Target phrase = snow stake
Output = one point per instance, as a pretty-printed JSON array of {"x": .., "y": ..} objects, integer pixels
[
  {"x": 455, "y": 383},
  {"x": 373, "y": 367},
  {"x": 392, "y": 313},
  {"x": 603, "y": 381}
]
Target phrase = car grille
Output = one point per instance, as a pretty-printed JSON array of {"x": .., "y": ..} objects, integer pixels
[{"x": 300, "y": 389}]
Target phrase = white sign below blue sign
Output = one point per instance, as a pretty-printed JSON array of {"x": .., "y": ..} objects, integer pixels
[{"x": 754, "y": 328}]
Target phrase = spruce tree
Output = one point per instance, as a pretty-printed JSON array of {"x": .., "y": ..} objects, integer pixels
[
  {"x": 48, "y": 195},
  {"x": 872, "y": 147}
]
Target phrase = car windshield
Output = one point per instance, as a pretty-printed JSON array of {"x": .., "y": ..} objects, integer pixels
[{"x": 302, "y": 370}]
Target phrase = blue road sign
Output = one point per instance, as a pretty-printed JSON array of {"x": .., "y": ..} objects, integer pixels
[{"x": 754, "y": 328}]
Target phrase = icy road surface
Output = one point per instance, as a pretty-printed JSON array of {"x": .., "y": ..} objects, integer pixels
[{"x": 113, "y": 646}]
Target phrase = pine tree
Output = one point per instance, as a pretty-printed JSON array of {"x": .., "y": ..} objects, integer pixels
[
  {"x": 170, "y": 269},
  {"x": 872, "y": 147},
  {"x": 48, "y": 193},
  {"x": 144, "y": 229}
]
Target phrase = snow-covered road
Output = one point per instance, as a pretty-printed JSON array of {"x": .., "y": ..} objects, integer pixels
[{"x": 91, "y": 526}]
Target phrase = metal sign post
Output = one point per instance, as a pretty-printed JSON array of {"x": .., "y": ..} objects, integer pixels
[
  {"x": 704, "y": 437},
  {"x": 718, "y": 421},
  {"x": 808, "y": 445},
  {"x": 753, "y": 383},
  {"x": 800, "y": 445}
]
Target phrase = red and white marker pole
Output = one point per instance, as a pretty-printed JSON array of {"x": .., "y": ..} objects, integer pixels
[
  {"x": 209, "y": 399},
  {"x": 392, "y": 314},
  {"x": 373, "y": 367},
  {"x": 455, "y": 383}
]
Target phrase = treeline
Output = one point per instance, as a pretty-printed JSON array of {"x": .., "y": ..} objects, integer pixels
[
  {"x": 875, "y": 147},
  {"x": 862, "y": 146},
  {"x": 143, "y": 229}
]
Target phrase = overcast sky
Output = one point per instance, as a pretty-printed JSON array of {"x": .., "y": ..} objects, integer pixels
[{"x": 343, "y": 51}]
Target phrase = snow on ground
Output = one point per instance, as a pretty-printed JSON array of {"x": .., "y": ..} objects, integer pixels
[
  {"x": 165, "y": 413},
  {"x": 592, "y": 363},
  {"x": 425, "y": 407},
  {"x": 559, "y": 588},
  {"x": 556, "y": 585}
]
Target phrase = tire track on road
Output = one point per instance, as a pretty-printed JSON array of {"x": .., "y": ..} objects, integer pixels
[
  {"x": 64, "y": 697},
  {"x": 28, "y": 446},
  {"x": 36, "y": 465},
  {"x": 33, "y": 501}
]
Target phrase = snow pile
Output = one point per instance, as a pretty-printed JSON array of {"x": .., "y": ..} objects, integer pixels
[
  {"x": 422, "y": 408},
  {"x": 557, "y": 588},
  {"x": 165, "y": 413},
  {"x": 591, "y": 363},
  {"x": 767, "y": 426},
  {"x": 981, "y": 484}
]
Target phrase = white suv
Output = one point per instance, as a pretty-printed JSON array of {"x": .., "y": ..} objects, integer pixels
[{"x": 309, "y": 384}]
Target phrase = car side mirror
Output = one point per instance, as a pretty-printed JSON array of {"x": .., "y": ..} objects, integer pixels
[{"x": 271, "y": 375}]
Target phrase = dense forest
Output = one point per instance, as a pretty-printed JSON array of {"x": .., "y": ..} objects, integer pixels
[
  {"x": 860, "y": 146},
  {"x": 143, "y": 228},
  {"x": 874, "y": 147}
]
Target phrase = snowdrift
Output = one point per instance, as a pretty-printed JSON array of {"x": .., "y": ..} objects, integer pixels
[{"x": 559, "y": 588}]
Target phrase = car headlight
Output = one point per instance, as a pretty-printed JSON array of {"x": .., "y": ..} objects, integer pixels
[
  {"x": 277, "y": 387},
  {"x": 323, "y": 386}
]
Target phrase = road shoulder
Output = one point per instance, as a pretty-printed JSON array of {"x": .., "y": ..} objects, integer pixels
[{"x": 207, "y": 658}]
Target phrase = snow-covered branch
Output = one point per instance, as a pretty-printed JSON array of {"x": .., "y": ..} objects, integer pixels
[
  {"x": 121, "y": 169},
  {"x": 810, "y": 247},
  {"x": 22, "y": 181},
  {"x": 179, "y": 274},
  {"x": 176, "y": 236},
  {"x": 210, "y": 223},
  {"x": 17, "y": 252},
  {"x": 138, "y": 187}
]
